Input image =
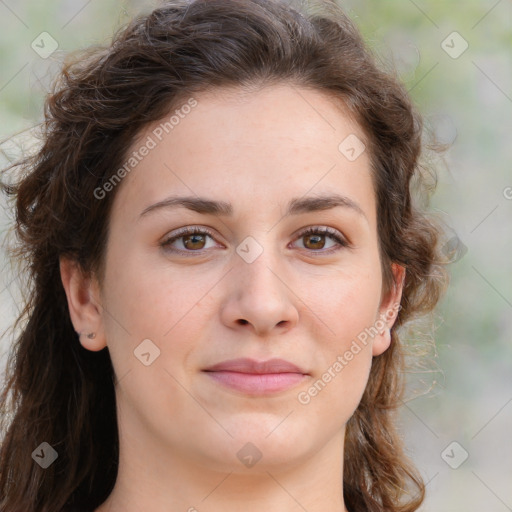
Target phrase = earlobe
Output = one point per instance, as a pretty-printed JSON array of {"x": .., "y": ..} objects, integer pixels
[
  {"x": 389, "y": 311},
  {"x": 391, "y": 305},
  {"x": 382, "y": 342},
  {"x": 84, "y": 308}
]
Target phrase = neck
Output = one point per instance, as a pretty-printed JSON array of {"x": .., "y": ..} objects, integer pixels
[{"x": 151, "y": 479}]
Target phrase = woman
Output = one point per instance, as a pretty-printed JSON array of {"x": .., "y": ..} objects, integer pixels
[{"x": 222, "y": 243}]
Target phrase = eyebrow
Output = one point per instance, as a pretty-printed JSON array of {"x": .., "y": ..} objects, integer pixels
[{"x": 296, "y": 205}]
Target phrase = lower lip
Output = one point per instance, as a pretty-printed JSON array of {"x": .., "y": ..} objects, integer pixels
[{"x": 252, "y": 383}]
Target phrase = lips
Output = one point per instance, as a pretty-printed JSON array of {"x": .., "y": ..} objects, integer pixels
[
  {"x": 245, "y": 365},
  {"x": 256, "y": 377}
]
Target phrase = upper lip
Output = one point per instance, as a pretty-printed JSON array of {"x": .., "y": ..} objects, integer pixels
[{"x": 246, "y": 365}]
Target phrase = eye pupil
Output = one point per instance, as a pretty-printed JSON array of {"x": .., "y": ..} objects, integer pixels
[
  {"x": 316, "y": 240},
  {"x": 187, "y": 243}
]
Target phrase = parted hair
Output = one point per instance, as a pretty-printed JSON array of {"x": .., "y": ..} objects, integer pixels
[{"x": 57, "y": 391}]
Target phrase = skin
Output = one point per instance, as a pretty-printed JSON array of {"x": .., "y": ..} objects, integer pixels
[{"x": 180, "y": 430}]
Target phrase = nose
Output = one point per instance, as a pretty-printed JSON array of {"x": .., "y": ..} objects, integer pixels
[{"x": 259, "y": 298}]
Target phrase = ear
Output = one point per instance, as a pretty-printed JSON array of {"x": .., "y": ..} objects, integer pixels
[
  {"x": 83, "y": 302},
  {"x": 388, "y": 311}
]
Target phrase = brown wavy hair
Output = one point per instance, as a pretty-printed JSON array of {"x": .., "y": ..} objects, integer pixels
[{"x": 57, "y": 391}]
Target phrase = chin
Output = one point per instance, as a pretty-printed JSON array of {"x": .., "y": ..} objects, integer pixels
[{"x": 258, "y": 447}]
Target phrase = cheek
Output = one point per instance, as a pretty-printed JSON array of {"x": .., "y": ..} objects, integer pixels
[
  {"x": 334, "y": 393},
  {"x": 152, "y": 300},
  {"x": 345, "y": 356},
  {"x": 138, "y": 307},
  {"x": 348, "y": 305},
  {"x": 151, "y": 304},
  {"x": 347, "y": 345},
  {"x": 344, "y": 340}
]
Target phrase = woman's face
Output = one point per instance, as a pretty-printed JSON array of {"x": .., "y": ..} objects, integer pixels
[{"x": 257, "y": 170}]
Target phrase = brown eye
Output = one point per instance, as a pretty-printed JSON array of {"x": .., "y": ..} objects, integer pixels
[
  {"x": 314, "y": 241},
  {"x": 194, "y": 241},
  {"x": 191, "y": 240},
  {"x": 315, "y": 238}
]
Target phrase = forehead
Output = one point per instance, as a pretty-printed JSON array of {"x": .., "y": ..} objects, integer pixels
[{"x": 246, "y": 145}]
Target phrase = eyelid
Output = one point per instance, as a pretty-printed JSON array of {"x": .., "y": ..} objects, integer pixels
[
  {"x": 337, "y": 236},
  {"x": 187, "y": 230},
  {"x": 324, "y": 230},
  {"x": 341, "y": 240}
]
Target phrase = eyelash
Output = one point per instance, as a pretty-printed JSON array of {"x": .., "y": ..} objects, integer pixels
[{"x": 314, "y": 230}]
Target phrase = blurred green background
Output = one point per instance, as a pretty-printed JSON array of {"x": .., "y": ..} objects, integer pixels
[{"x": 464, "y": 408}]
